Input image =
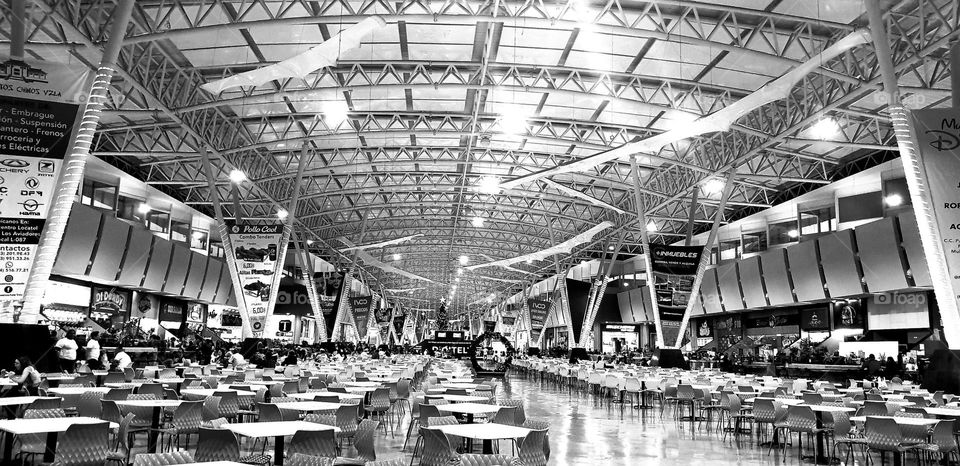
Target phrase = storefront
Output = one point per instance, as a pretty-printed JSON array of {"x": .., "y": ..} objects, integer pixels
[
  {"x": 67, "y": 305},
  {"x": 619, "y": 337},
  {"x": 110, "y": 308},
  {"x": 555, "y": 336}
]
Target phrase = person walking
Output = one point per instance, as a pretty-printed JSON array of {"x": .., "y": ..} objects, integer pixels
[
  {"x": 93, "y": 350},
  {"x": 67, "y": 351}
]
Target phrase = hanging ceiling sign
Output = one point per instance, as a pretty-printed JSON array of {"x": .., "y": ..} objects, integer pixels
[
  {"x": 40, "y": 103},
  {"x": 360, "y": 305},
  {"x": 255, "y": 249},
  {"x": 674, "y": 269}
]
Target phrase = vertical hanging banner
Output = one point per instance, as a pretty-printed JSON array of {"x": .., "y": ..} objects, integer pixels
[
  {"x": 578, "y": 298},
  {"x": 255, "y": 249},
  {"x": 399, "y": 321},
  {"x": 360, "y": 307},
  {"x": 383, "y": 316},
  {"x": 40, "y": 103},
  {"x": 674, "y": 269},
  {"x": 538, "y": 315},
  {"x": 328, "y": 285},
  {"x": 937, "y": 133}
]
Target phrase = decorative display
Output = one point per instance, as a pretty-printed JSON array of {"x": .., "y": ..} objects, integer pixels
[
  {"x": 673, "y": 270},
  {"x": 562, "y": 248},
  {"x": 39, "y": 105},
  {"x": 360, "y": 307},
  {"x": 255, "y": 249}
]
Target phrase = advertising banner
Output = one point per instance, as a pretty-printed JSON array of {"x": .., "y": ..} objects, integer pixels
[
  {"x": 538, "y": 313},
  {"x": 578, "y": 297},
  {"x": 398, "y": 325},
  {"x": 816, "y": 319},
  {"x": 292, "y": 299},
  {"x": 508, "y": 320},
  {"x": 39, "y": 104},
  {"x": 704, "y": 330},
  {"x": 383, "y": 315},
  {"x": 360, "y": 306},
  {"x": 849, "y": 314},
  {"x": 255, "y": 249},
  {"x": 674, "y": 269},
  {"x": 328, "y": 286}
]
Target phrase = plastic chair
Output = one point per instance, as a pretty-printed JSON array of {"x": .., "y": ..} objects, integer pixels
[
  {"x": 379, "y": 407},
  {"x": 437, "y": 450},
  {"x": 533, "y": 448},
  {"x": 122, "y": 453},
  {"x": 347, "y": 422},
  {"x": 883, "y": 435},
  {"x": 229, "y": 404},
  {"x": 802, "y": 420},
  {"x": 163, "y": 459},
  {"x": 222, "y": 445},
  {"x": 117, "y": 394},
  {"x": 186, "y": 420},
  {"x": 89, "y": 404},
  {"x": 364, "y": 440},
  {"x": 314, "y": 443},
  {"x": 486, "y": 460},
  {"x": 942, "y": 445},
  {"x": 299, "y": 459},
  {"x": 36, "y": 444},
  {"x": 875, "y": 408},
  {"x": 83, "y": 445}
]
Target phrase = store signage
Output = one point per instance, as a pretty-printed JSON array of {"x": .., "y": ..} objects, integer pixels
[
  {"x": 489, "y": 326},
  {"x": 292, "y": 298},
  {"x": 508, "y": 320},
  {"x": 39, "y": 105},
  {"x": 360, "y": 305},
  {"x": 171, "y": 310},
  {"x": 538, "y": 313},
  {"x": 197, "y": 313},
  {"x": 255, "y": 251},
  {"x": 848, "y": 314},
  {"x": 109, "y": 300},
  {"x": 383, "y": 314},
  {"x": 771, "y": 320},
  {"x": 815, "y": 319},
  {"x": 673, "y": 269},
  {"x": 398, "y": 322},
  {"x": 704, "y": 330},
  {"x": 328, "y": 285},
  {"x": 625, "y": 328}
]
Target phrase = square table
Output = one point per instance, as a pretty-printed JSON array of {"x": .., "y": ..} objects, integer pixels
[
  {"x": 277, "y": 430},
  {"x": 462, "y": 398},
  {"x": 309, "y": 406},
  {"x": 123, "y": 384},
  {"x": 77, "y": 390},
  {"x": 470, "y": 409},
  {"x": 310, "y": 396},
  {"x": 945, "y": 412},
  {"x": 176, "y": 381},
  {"x": 50, "y": 426},
  {"x": 487, "y": 432},
  {"x": 205, "y": 392},
  {"x": 157, "y": 406},
  {"x": 362, "y": 384},
  {"x": 906, "y": 421},
  {"x": 460, "y": 386}
]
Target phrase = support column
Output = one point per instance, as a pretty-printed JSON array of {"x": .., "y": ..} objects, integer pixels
[
  {"x": 705, "y": 255},
  {"x": 562, "y": 288},
  {"x": 228, "y": 252},
  {"x": 930, "y": 236},
  {"x": 18, "y": 28},
  {"x": 73, "y": 164},
  {"x": 645, "y": 242},
  {"x": 285, "y": 236}
]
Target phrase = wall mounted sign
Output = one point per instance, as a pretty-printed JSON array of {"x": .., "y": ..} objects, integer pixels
[{"x": 674, "y": 269}]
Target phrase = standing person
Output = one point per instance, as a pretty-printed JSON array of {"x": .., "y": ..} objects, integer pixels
[
  {"x": 206, "y": 351},
  {"x": 67, "y": 350},
  {"x": 93, "y": 350},
  {"x": 891, "y": 369}
]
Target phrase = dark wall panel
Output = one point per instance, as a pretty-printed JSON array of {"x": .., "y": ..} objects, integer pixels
[
  {"x": 208, "y": 291},
  {"x": 776, "y": 277},
  {"x": 805, "y": 271},
  {"x": 647, "y": 305},
  {"x": 138, "y": 253},
  {"x": 710, "y": 293},
  {"x": 157, "y": 268},
  {"x": 198, "y": 268},
  {"x": 883, "y": 268},
  {"x": 914, "y": 250},
  {"x": 839, "y": 264},
  {"x": 729, "y": 287},
  {"x": 226, "y": 286},
  {"x": 751, "y": 283},
  {"x": 179, "y": 264},
  {"x": 623, "y": 302},
  {"x": 231, "y": 297},
  {"x": 112, "y": 243},
  {"x": 78, "y": 241}
]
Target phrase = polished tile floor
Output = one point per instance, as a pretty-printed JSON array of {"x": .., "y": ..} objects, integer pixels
[{"x": 584, "y": 431}]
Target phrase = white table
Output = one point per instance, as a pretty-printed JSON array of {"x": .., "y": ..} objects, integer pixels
[
  {"x": 470, "y": 409},
  {"x": 205, "y": 392},
  {"x": 123, "y": 384},
  {"x": 172, "y": 381},
  {"x": 362, "y": 384},
  {"x": 462, "y": 398},
  {"x": 309, "y": 406},
  {"x": 49, "y": 426},
  {"x": 77, "y": 390},
  {"x": 486, "y": 432},
  {"x": 19, "y": 400},
  {"x": 906, "y": 421},
  {"x": 460, "y": 386},
  {"x": 277, "y": 430},
  {"x": 157, "y": 406},
  {"x": 312, "y": 395},
  {"x": 945, "y": 412}
]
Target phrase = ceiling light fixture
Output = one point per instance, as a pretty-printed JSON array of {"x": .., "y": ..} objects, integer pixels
[
  {"x": 335, "y": 112},
  {"x": 397, "y": 256},
  {"x": 477, "y": 221},
  {"x": 651, "y": 226},
  {"x": 282, "y": 214},
  {"x": 459, "y": 271},
  {"x": 713, "y": 186},
  {"x": 513, "y": 119},
  {"x": 825, "y": 128},
  {"x": 237, "y": 176},
  {"x": 793, "y": 233},
  {"x": 144, "y": 208},
  {"x": 488, "y": 185},
  {"x": 893, "y": 200},
  {"x": 464, "y": 259}
]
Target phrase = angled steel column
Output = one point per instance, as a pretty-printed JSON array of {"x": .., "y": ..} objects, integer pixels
[
  {"x": 562, "y": 288},
  {"x": 228, "y": 253},
  {"x": 304, "y": 252},
  {"x": 930, "y": 236},
  {"x": 645, "y": 242},
  {"x": 691, "y": 221},
  {"x": 285, "y": 236},
  {"x": 705, "y": 256},
  {"x": 73, "y": 166},
  {"x": 18, "y": 28}
]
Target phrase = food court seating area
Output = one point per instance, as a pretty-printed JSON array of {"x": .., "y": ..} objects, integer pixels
[{"x": 409, "y": 410}]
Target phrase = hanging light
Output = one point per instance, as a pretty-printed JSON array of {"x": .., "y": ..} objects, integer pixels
[
  {"x": 459, "y": 271},
  {"x": 282, "y": 214},
  {"x": 893, "y": 200},
  {"x": 488, "y": 185},
  {"x": 144, "y": 208},
  {"x": 335, "y": 112},
  {"x": 651, "y": 226},
  {"x": 237, "y": 176},
  {"x": 793, "y": 233},
  {"x": 713, "y": 186},
  {"x": 825, "y": 128},
  {"x": 513, "y": 119},
  {"x": 477, "y": 221},
  {"x": 397, "y": 256},
  {"x": 464, "y": 259}
]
